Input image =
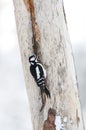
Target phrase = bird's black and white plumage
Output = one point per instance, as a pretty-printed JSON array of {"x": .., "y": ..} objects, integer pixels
[{"x": 39, "y": 74}]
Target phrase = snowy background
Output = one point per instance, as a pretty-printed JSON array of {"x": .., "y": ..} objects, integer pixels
[{"x": 14, "y": 107}]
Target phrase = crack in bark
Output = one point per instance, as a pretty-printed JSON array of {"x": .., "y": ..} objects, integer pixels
[
  {"x": 35, "y": 29},
  {"x": 64, "y": 12}
]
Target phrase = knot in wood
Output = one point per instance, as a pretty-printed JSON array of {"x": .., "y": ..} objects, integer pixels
[{"x": 49, "y": 124}]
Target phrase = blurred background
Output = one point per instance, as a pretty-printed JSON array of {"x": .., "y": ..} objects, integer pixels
[{"x": 14, "y": 107}]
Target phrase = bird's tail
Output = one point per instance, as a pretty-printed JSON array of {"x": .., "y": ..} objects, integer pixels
[{"x": 45, "y": 90}]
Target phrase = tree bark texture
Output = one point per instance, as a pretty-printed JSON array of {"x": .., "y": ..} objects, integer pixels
[{"x": 56, "y": 56}]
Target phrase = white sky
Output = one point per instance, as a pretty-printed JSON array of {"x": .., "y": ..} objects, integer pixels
[
  {"x": 8, "y": 37},
  {"x": 76, "y": 18}
]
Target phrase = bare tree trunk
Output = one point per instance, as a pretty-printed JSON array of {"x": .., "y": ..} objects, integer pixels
[{"x": 56, "y": 56}]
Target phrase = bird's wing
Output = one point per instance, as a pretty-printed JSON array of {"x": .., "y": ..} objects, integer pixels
[
  {"x": 44, "y": 71},
  {"x": 37, "y": 72}
]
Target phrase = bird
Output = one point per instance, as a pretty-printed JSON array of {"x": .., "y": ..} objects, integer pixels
[{"x": 39, "y": 74}]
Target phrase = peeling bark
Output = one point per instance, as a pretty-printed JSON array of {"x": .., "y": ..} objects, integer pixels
[{"x": 45, "y": 23}]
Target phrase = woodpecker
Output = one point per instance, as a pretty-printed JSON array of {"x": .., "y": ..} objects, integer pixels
[{"x": 39, "y": 74}]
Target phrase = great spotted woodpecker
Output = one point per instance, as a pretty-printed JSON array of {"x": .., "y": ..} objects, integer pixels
[{"x": 39, "y": 74}]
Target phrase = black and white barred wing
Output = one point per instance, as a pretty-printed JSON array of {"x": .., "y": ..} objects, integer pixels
[{"x": 41, "y": 72}]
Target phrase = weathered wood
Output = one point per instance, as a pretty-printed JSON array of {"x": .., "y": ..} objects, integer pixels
[{"x": 57, "y": 59}]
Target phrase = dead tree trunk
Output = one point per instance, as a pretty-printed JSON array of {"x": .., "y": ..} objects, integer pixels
[{"x": 43, "y": 22}]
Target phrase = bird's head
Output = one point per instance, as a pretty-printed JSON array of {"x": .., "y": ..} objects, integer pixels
[{"x": 33, "y": 59}]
